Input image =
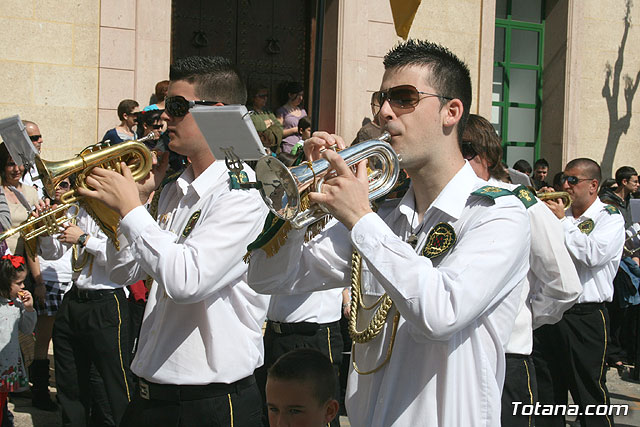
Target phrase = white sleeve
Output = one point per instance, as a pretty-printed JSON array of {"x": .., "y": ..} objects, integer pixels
[
  {"x": 599, "y": 247},
  {"x": 485, "y": 265},
  {"x": 211, "y": 256},
  {"x": 299, "y": 267},
  {"x": 554, "y": 282}
]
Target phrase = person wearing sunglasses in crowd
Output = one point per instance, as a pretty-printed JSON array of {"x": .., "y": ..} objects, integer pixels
[
  {"x": 444, "y": 308},
  {"x": 31, "y": 177},
  {"x": 570, "y": 354},
  {"x": 552, "y": 284},
  {"x": 201, "y": 336},
  {"x": 128, "y": 110}
]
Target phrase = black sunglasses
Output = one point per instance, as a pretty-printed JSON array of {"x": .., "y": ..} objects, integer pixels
[
  {"x": 405, "y": 96},
  {"x": 34, "y": 138},
  {"x": 178, "y": 106},
  {"x": 64, "y": 185},
  {"x": 573, "y": 180},
  {"x": 157, "y": 126},
  {"x": 467, "y": 150},
  {"x": 262, "y": 95}
]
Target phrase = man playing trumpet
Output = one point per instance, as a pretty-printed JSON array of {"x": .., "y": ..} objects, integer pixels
[{"x": 440, "y": 267}]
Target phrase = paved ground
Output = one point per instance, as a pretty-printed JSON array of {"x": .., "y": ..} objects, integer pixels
[{"x": 623, "y": 390}]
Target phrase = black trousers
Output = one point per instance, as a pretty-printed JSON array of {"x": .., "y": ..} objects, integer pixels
[
  {"x": 570, "y": 356},
  {"x": 235, "y": 405},
  {"x": 520, "y": 385},
  {"x": 92, "y": 328},
  {"x": 325, "y": 338}
]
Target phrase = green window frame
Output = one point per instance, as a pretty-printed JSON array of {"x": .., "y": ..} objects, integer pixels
[{"x": 508, "y": 25}]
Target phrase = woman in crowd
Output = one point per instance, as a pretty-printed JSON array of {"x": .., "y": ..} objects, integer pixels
[
  {"x": 290, "y": 113},
  {"x": 268, "y": 127}
]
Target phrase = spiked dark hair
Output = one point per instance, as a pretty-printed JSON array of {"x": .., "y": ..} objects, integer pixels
[
  {"x": 449, "y": 76},
  {"x": 215, "y": 78}
]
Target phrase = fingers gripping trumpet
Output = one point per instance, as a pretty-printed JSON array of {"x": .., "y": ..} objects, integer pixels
[
  {"x": 282, "y": 188},
  {"x": 46, "y": 224},
  {"x": 552, "y": 195}
]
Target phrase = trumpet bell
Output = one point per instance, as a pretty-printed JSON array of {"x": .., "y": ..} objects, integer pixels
[
  {"x": 566, "y": 198},
  {"x": 282, "y": 187}
]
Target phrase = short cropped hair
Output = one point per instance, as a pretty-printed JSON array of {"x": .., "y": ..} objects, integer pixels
[
  {"x": 214, "y": 78},
  {"x": 541, "y": 163},
  {"x": 307, "y": 365},
  {"x": 449, "y": 75},
  {"x": 126, "y": 106},
  {"x": 625, "y": 172},
  {"x": 590, "y": 168},
  {"x": 523, "y": 166},
  {"x": 486, "y": 143}
]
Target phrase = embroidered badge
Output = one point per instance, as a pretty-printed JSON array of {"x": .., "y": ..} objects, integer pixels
[
  {"x": 440, "y": 239},
  {"x": 192, "y": 221},
  {"x": 586, "y": 226},
  {"x": 234, "y": 184},
  {"x": 611, "y": 209},
  {"x": 492, "y": 192},
  {"x": 526, "y": 196}
]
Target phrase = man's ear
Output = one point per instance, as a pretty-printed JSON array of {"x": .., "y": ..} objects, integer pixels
[
  {"x": 331, "y": 411},
  {"x": 452, "y": 112}
]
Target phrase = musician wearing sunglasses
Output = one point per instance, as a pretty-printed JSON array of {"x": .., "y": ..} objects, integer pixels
[
  {"x": 201, "y": 336},
  {"x": 574, "y": 349},
  {"x": 36, "y": 139},
  {"x": 551, "y": 285},
  {"x": 440, "y": 268}
]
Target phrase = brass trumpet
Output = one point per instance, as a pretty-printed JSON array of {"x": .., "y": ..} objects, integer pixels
[
  {"x": 566, "y": 198},
  {"x": 134, "y": 153},
  {"x": 47, "y": 224},
  {"x": 282, "y": 187}
]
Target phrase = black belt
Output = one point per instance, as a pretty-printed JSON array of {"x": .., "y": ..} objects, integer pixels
[
  {"x": 585, "y": 308},
  {"x": 92, "y": 294},
  {"x": 174, "y": 393},
  {"x": 517, "y": 356},
  {"x": 304, "y": 328}
]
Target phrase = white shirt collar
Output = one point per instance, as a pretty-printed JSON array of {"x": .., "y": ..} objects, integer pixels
[
  {"x": 204, "y": 182},
  {"x": 592, "y": 211}
]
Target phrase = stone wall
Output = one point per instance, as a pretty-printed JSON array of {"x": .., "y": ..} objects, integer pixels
[{"x": 49, "y": 69}]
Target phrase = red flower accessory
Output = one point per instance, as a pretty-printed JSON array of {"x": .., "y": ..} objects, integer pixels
[{"x": 16, "y": 261}]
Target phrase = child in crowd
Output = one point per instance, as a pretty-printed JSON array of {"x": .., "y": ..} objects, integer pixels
[
  {"x": 300, "y": 389},
  {"x": 304, "y": 133},
  {"x": 16, "y": 312}
]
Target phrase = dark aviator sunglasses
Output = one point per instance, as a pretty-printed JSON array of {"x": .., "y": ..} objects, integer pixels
[{"x": 178, "y": 106}]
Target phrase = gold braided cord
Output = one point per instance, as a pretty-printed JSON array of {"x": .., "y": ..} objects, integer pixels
[
  {"x": 392, "y": 340},
  {"x": 382, "y": 311}
]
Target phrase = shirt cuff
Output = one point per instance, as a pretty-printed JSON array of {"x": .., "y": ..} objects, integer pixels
[
  {"x": 368, "y": 232},
  {"x": 133, "y": 223},
  {"x": 93, "y": 244}
]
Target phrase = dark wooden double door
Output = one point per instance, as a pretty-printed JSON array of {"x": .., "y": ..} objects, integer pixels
[{"x": 269, "y": 40}]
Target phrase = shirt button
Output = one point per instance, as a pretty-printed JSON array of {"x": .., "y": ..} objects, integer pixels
[{"x": 359, "y": 238}]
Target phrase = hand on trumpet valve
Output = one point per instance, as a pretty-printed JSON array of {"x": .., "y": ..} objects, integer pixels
[
  {"x": 320, "y": 142},
  {"x": 345, "y": 195},
  {"x": 41, "y": 207},
  {"x": 70, "y": 234}
]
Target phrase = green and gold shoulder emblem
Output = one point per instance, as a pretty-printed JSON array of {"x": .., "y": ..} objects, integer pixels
[
  {"x": 526, "y": 196},
  {"x": 492, "y": 192},
  {"x": 586, "y": 226},
  {"x": 612, "y": 210},
  {"x": 441, "y": 238}
]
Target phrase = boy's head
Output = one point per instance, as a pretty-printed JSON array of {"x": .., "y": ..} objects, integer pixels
[
  {"x": 304, "y": 128},
  {"x": 300, "y": 390}
]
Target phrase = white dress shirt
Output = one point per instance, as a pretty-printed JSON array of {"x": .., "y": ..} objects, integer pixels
[
  {"x": 35, "y": 183},
  {"x": 457, "y": 310},
  {"x": 552, "y": 285},
  {"x": 202, "y": 323},
  {"x": 314, "y": 307},
  {"x": 596, "y": 255},
  {"x": 94, "y": 275}
]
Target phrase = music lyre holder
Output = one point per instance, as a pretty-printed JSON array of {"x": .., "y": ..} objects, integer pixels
[{"x": 234, "y": 164}]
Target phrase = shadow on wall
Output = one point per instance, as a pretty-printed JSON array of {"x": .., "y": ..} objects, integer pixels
[{"x": 610, "y": 91}]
